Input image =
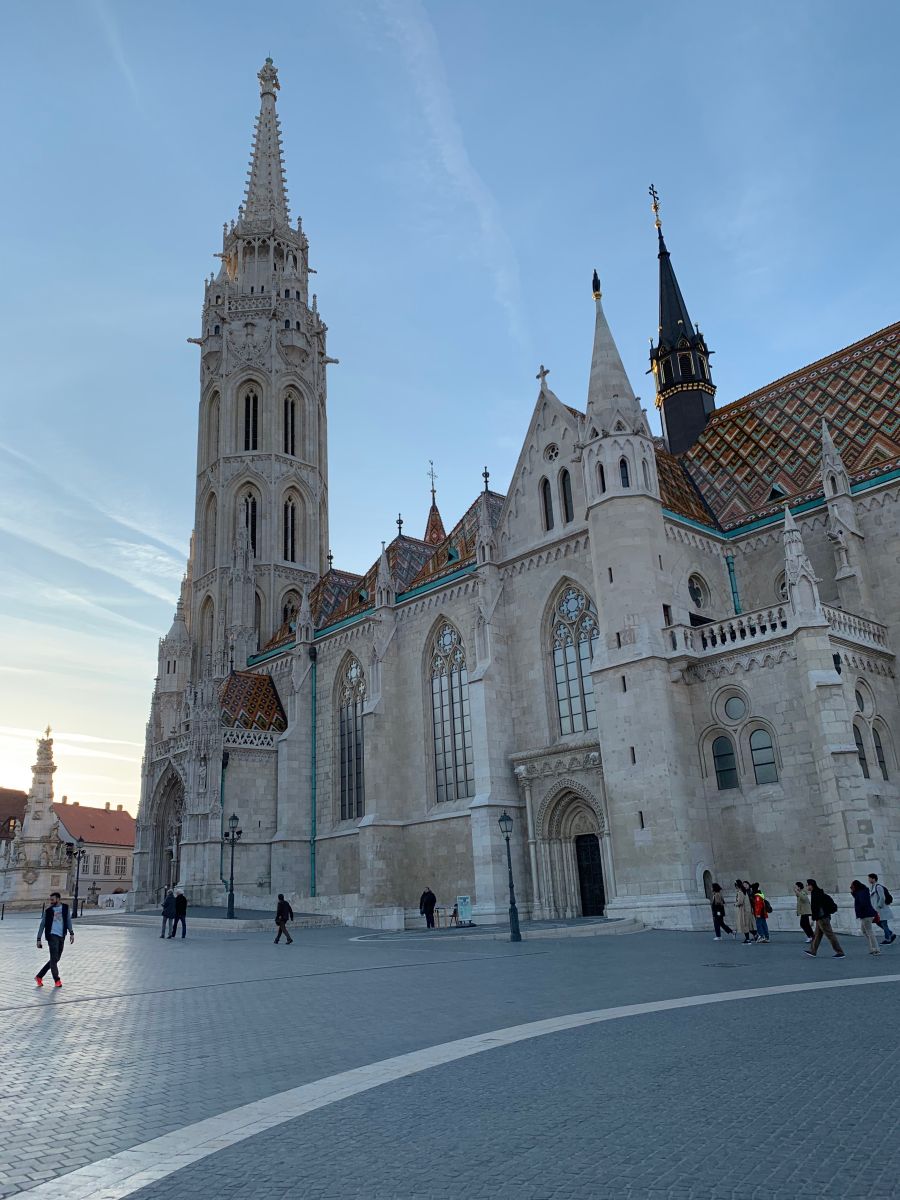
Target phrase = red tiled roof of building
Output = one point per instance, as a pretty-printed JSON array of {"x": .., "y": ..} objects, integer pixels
[
  {"x": 677, "y": 491},
  {"x": 249, "y": 701},
  {"x": 12, "y": 808},
  {"x": 107, "y": 827}
]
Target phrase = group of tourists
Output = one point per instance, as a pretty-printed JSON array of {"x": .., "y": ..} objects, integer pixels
[{"x": 815, "y": 908}]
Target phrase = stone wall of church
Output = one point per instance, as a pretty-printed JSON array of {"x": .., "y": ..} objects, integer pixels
[{"x": 250, "y": 791}]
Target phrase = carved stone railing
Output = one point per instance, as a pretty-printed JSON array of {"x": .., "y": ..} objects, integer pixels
[
  {"x": 856, "y": 629},
  {"x": 764, "y": 625},
  {"x": 257, "y": 739},
  {"x": 170, "y": 745}
]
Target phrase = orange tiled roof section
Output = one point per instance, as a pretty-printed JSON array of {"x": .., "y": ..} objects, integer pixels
[
  {"x": 324, "y": 599},
  {"x": 405, "y": 557},
  {"x": 677, "y": 491},
  {"x": 249, "y": 701},
  {"x": 767, "y": 447},
  {"x": 458, "y": 548},
  {"x": 100, "y": 825}
]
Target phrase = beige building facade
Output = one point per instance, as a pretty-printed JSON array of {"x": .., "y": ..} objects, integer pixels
[{"x": 668, "y": 667}]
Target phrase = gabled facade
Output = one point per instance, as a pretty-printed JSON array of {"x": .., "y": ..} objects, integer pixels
[{"x": 662, "y": 672}]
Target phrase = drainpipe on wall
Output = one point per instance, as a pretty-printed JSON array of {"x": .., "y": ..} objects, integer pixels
[
  {"x": 732, "y": 578},
  {"x": 313, "y": 655},
  {"x": 222, "y": 806}
]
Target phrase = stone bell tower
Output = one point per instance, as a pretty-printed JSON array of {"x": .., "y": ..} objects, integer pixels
[{"x": 262, "y": 472}]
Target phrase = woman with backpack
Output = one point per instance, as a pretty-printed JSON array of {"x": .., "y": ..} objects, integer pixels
[
  {"x": 743, "y": 910},
  {"x": 717, "y": 903},
  {"x": 865, "y": 913},
  {"x": 761, "y": 909},
  {"x": 881, "y": 901}
]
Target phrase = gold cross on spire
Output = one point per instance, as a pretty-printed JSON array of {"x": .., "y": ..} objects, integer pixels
[{"x": 654, "y": 204}]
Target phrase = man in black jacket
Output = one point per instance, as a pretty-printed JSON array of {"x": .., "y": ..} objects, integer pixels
[
  {"x": 56, "y": 922},
  {"x": 427, "y": 902},
  {"x": 283, "y": 914},
  {"x": 180, "y": 914},
  {"x": 823, "y": 907}
]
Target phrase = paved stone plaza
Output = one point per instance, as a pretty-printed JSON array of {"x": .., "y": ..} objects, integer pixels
[{"x": 788, "y": 1093}]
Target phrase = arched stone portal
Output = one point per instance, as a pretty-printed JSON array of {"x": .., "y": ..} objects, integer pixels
[
  {"x": 573, "y": 859},
  {"x": 165, "y": 833}
]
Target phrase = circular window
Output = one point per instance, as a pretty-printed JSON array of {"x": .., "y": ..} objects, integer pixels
[
  {"x": 698, "y": 591},
  {"x": 552, "y": 452},
  {"x": 735, "y": 708},
  {"x": 781, "y": 592}
]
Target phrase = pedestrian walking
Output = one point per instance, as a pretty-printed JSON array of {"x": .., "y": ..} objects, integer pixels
[
  {"x": 180, "y": 914},
  {"x": 283, "y": 914},
  {"x": 56, "y": 922},
  {"x": 427, "y": 901},
  {"x": 743, "y": 912},
  {"x": 761, "y": 909},
  {"x": 168, "y": 912},
  {"x": 881, "y": 902},
  {"x": 804, "y": 910},
  {"x": 823, "y": 909},
  {"x": 717, "y": 903},
  {"x": 865, "y": 913}
]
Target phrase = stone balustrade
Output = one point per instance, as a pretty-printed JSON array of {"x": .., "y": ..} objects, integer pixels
[
  {"x": 731, "y": 633},
  {"x": 856, "y": 629}
]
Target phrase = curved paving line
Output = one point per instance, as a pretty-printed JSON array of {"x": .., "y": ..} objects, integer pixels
[{"x": 122, "y": 1174}]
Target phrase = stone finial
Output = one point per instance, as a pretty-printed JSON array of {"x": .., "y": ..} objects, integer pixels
[
  {"x": 268, "y": 78},
  {"x": 800, "y": 578}
]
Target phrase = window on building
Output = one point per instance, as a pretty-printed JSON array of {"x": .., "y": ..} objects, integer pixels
[
  {"x": 704, "y": 369},
  {"x": 121, "y": 864},
  {"x": 725, "y": 763},
  {"x": 684, "y": 365},
  {"x": 698, "y": 591},
  {"x": 454, "y": 759},
  {"x": 574, "y": 632},
  {"x": 860, "y": 701},
  {"x": 290, "y": 606},
  {"x": 861, "y": 751},
  {"x": 351, "y": 697},
  {"x": 287, "y": 324},
  {"x": 762, "y": 752},
  {"x": 209, "y": 534},
  {"x": 879, "y": 753},
  {"x": 601, "y": 477},
  {"x": 107, "y": 862},
  {"x": 248, "y": 515},
  {"x": 565, "y": 493},
  {"x": 217, "y": 329},
  {"x": 251, "y": 421},
  {"x": 547, "y": 503},
  {"x": 667, "y": 372},
  {"x": 96, "y": 864},
  {"x": 623, "y": 472},
  {"x": 290, "y": 425},
  {"x": 290, "y": 529}
]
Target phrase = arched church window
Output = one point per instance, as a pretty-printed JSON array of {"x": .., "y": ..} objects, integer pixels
[
  {"x": 832, "y": 483},
  {"x": 290, "y": 529},
  {"x": 287, "y": 323},
  {"x": 623, "y": 473},
  {"x": 879, "y": 753},
  {"x": 668, "y": 374},
  {"x": 258, "y": 619},
  {"x": 290, "y": 424},
  {"x": 547, "y": 504},
  {"x": 565, "y": 492},
  {"x": 209, "y": 534},
  {"x": 351, "y": 696},
  {"x": 290, "y": 606},
  {"x": 698, "y": 591},
  {"x": 217, "y": 329},
  {"x": 646, "y": 471},
  {"x": 251, "y": 420},
  {"x": 573, "y": 634},
  {"x": 861, "y": 751},
  {"x": 762, "y": 753},
  {"x": 684, "y": 365},
  {"x": 454, "y": 758},
  {"x": 248, "y": 511},
  {"x": 725, "y": 763},
  {"x": 212, "y": 429},
  {"x": 601, "y": 477},
  {"x": 207, "y": 634}
]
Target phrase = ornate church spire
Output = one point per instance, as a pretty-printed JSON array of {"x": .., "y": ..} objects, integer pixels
[
  {"x": 835, "y": 480},
  {"x": 800, "y": 578},
  {"x": 685, "y": 393},
  {"x": 266, "y": 196},
  {"x": 609, "y": 392},
  {"x": 434, "y": 530}
]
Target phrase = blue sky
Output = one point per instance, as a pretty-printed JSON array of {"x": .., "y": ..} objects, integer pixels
[{"x": 460, "y": 167}]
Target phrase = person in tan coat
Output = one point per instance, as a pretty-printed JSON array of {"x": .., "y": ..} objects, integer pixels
[
  {"x": 804, "y": 910},
  {"x": 743, "y": 912}
]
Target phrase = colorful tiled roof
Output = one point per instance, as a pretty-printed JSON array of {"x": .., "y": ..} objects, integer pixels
[
  {"x": 324, "y": 599},
  {"x": 103, "y": 826},
  {"x": 249, "y": 701},
  {"x": 405, "y": 557},
  {"x": 677, "y": 491},
  {"x": 767, "y": 447},
  {"x": 458, "y": 548}
]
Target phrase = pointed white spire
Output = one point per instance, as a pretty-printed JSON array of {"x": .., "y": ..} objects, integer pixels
[
  {"x": 800, "y": 578},
  {"x": 304, "y": 631},
  {"x": 835, "y": 480},
  {"x": 178, "y": 634},
  {"x": 266, "y": 195},
  {"x": 609, "y": 390},
  {"x": 385, "y": 584}
]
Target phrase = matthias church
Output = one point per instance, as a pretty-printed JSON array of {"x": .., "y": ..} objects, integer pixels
[{"x": 670, "y": 660}]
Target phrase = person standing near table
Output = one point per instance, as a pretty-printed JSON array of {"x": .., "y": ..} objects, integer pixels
[{"x": 56, "y": 922}]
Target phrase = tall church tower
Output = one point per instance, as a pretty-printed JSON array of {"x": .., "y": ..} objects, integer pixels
[
  {"x": 685, "y": 393},
  {"x": 261, "y": 525}
]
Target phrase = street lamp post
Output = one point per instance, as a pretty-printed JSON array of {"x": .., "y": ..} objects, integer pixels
[
  {"x": 76, "y": 851},
  {"x": 505, "y": 822},
  {"x": 232, "y": 834}
]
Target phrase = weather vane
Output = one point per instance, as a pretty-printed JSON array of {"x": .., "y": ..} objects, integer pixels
[
  {"x": 486, "y": 476},
  {"x": 399, "y": 524},
  {"x": 654, "y": 204},
  {"x": 432, "y": 476}
]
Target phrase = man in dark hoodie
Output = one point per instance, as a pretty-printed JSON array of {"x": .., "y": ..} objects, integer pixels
[
  {"x": 823, "y": 908},
  {"x": 283, "y": 914}
]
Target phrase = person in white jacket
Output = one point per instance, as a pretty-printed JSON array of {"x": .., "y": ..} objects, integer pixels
[{"x": 884, "y": 910}]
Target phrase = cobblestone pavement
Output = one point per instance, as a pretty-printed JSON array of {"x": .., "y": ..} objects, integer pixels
[{"x": 144, "y": 1039}]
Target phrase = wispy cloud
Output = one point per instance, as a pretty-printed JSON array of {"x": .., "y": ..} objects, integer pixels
[
  {"x": 17, "y": 731},
  {"x": 411, "y": 28},
  {"x": 110, "y": 32}
]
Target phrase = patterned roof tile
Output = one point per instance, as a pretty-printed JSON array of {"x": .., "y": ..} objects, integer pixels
[{"x": 249, "y": 701}]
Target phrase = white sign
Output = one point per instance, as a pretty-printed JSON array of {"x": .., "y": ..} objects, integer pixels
[{"x": 464, "y": 908}]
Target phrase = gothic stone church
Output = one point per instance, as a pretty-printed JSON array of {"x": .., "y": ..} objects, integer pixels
[{"x": 670, "y": 660}]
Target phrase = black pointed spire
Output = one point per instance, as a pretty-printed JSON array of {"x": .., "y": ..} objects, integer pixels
[{"x": 685, "y": 393}]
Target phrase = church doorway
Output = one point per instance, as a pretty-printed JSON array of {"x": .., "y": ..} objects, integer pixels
[
  {"x": 590, "y": 874},
  {"x": 165, "y": 862}
]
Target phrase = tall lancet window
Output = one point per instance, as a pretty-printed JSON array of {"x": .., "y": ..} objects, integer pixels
[
  {"x": 290, "y": 425},
  {"x": 547, "y": 504},
  {"x": 565, "y": 495},
  {"x": 248, "y": 516},
  {"x": 290, "y": 529},
  {"x": 351, "y": 695},
  {"x": 454, "y": 758},
  {"x": 574, "y": 632},
  {"x": 251, "y": 420},
  {"x": 209, "y": 534}
]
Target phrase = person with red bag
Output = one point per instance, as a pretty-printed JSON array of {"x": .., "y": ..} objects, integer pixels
[{"x": 761, "y": 909}]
